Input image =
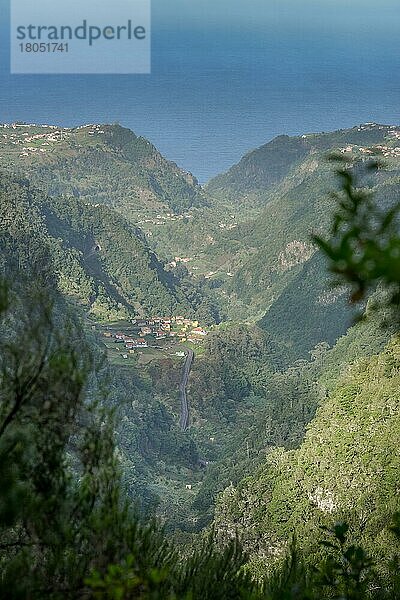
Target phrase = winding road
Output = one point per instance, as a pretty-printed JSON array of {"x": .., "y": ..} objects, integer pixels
[{"x": 184, "y": 421}]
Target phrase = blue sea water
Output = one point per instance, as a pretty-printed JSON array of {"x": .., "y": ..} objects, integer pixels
[{"x": 229, "y": 75}]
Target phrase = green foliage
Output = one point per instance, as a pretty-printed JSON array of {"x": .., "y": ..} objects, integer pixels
[
  {"x": 62, "y": 510},
  {"x": 364, "y": 247},
  {"x": 42, "y": 392},
  {"x": 347, "y": 467},
  {"x": 347, "y": 569},
  {"x": 123, "y": 581},
  {"x": 101, "y": 261}
]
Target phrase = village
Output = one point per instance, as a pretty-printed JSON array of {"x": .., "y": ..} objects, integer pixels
[
  {"x": 36, "y": 139},
  {"x": 373, "y": 150},
  {"x": 149, "y": 333}
]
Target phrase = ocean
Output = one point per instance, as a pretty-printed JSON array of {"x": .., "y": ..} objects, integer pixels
[{"x": 226, "y": 81}]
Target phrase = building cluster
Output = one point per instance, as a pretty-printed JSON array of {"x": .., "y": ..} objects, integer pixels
[
  {"x": 45, "y": 136},
  {"x": 387, "y": 151},
  {"x": 381, "y": 149},
  {"x": 163, "y": 219},
  {"x": 179, "y": 260},
  {"x": 158, "y": 328},
  {"x": 32, "y": 142},
  {"x": 395, "y": 134}
]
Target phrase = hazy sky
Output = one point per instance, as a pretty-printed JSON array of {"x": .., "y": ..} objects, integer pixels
[{"x": 367, "y": 14}]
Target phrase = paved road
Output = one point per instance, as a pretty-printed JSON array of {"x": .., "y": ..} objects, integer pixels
[{"x": 184, "y": 421}]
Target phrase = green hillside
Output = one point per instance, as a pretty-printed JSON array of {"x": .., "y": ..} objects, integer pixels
[
  {"x": 345, "y": 469},
  {"x": 104, "y": 164},
  {"x": 251, "y": 180},
  {"x": 308, "y": 311},
  {"x": 90, "y": 263},
  {"x": 275, "y": 274},
  {"x": 294, "y": 419},
  {"x": 254, "y": 264},
  {"x": 253, "y": 241},
  {"x": 102, "y": 262}
]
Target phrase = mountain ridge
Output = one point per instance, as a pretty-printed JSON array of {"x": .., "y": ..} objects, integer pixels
[
  {"x": 135, "y": 176},
  {"x": 250, "y": 244},
  {"x": 102, "y": 261}
]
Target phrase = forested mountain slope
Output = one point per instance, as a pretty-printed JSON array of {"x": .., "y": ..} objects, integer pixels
[
  {"x": 345, "y": 469},
  {"x": 253, "y": 241},
  {"x": 105, "y": 164},
  {"x": 275, "y": 272},
  {"x": 247, "y": 392},
  {"x": 248, "y": 233},
  {"x": 102, "y": 261},
  {"x": 261, "y": 170},
  {"x": 69, "y": 255},
  {"x": 247, "y": 400}
]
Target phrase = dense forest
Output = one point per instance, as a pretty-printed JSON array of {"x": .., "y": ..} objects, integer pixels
[{"x": 102, "y": 261}]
